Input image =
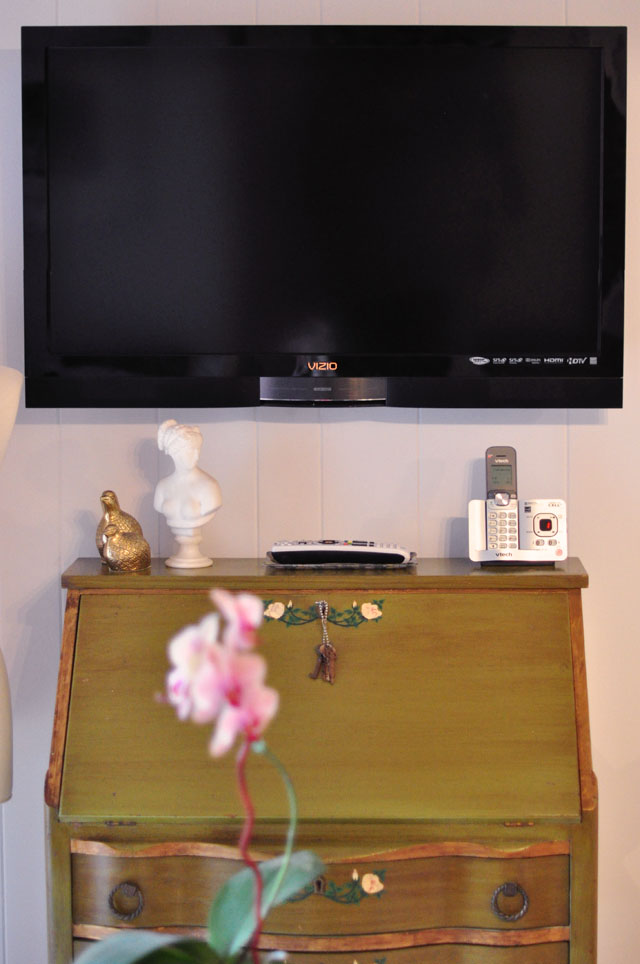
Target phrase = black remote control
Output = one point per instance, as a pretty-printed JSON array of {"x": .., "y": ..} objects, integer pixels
[{"x": 336, "y": 552}]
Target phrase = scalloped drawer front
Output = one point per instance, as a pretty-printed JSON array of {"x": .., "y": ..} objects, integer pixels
[
  {"x": 451, "y": 954},
  {"x": 557, "y": 953},
  {"x": 355, "y": 897}
]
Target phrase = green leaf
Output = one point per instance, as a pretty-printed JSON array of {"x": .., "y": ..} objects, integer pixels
[
  {"x": 232, "y": 915},
  {"x": 132, "y": 946}
]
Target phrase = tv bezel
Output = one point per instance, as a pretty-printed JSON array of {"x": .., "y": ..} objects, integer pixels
[{"x": 247, "y": 380}]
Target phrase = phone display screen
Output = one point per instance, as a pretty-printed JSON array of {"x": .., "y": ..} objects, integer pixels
[{"x": 500, "y": 477}]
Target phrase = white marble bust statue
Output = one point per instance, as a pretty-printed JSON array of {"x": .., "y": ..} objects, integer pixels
[{"x": 189, "y": 497}]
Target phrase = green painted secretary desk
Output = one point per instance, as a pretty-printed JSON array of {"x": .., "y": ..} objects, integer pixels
[{"x": 444, "y": 776}]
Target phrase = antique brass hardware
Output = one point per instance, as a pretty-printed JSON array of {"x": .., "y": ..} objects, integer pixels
[
  {"x": 509, "y": 889},
  {"x": 126, "y": 901}
]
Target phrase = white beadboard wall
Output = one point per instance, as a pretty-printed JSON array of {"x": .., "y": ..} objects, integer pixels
[{"x": 393, "y": 475}]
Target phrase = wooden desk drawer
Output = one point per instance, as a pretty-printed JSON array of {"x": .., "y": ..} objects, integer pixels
[
  {"x": 430, "y": 886},
  {"x": 557, "y": 953},
  {"x": 452, "y": 954}
]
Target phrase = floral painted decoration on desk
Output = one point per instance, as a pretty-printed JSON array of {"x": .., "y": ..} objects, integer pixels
[
  {"x": 218, "y": 678},
  {"x": 292, "y": 615},
  {"x": 353, "y": 892}
]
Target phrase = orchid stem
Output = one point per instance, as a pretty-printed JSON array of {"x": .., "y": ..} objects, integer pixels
[
  {"x": 261, "y": 747},
  {"x": 243, "y": 844}
]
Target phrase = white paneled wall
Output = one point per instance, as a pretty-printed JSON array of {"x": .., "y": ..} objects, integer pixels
[
  {"x": 543, "y": 12},
  {"x": 392, "y": 475}
]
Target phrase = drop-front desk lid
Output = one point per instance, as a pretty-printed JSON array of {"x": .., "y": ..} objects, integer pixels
[{"x": 453, "y": 698}]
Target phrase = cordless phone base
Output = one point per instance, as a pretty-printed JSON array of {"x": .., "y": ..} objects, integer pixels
[{"x": 532, "y": 532}]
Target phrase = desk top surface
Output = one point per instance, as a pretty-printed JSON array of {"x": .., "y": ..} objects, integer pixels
[{"x": 91, "y": 573}]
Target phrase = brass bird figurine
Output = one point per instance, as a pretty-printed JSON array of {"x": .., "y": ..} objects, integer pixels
[
  {"x": 114, "y": 515},
  {"x": 125, "y": 551}
]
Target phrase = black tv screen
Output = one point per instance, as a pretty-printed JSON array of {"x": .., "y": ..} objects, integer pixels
[{"x": 396, "y": 215}]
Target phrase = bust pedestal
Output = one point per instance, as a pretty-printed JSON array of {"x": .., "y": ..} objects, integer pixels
[{"x": 188, "y": 555}]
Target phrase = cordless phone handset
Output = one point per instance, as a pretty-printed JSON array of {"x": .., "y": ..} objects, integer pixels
[
  {"x": 500, "y": 463},
  {"x": 502, "y": 498}
]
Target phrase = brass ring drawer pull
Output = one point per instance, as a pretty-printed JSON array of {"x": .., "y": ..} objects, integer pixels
[
  {"x": 510, "y": 889},
  {"x": 121, "y": 899}
]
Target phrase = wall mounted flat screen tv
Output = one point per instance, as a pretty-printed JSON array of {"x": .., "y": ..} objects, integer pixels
[{"x": 410, "y": 216}]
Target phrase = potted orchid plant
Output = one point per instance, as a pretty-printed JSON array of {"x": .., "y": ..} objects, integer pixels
[{"x": 217, "y": 677}]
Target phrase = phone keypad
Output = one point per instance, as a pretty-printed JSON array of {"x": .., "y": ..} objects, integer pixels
[{"x": 502, "y": 526}]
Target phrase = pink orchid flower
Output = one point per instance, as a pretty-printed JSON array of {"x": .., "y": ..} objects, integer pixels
[
  {"x": 187, "y": 653},
  {"x": 213, "y": 680},
  {"x": 230, "y": 689},
  {"x": 243, "y": 614}
]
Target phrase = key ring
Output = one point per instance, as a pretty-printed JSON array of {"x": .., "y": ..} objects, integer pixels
[
  {"x": 326, "y": 652},
  {"x": 323, "y": 612}
]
